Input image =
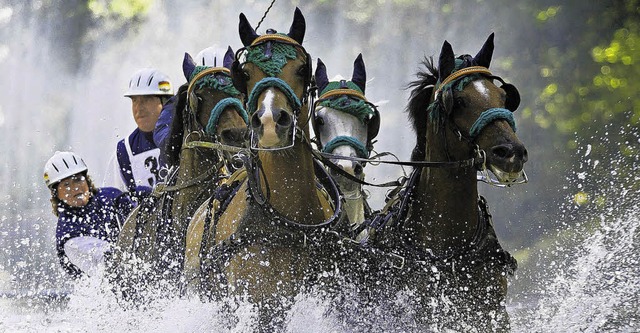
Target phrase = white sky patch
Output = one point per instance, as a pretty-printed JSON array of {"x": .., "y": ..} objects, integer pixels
[
  {"x": 481, "y": 88},
  {"x": 5, "y": 15}
]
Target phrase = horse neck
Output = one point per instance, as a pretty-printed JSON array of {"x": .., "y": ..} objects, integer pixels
[
  {"x": 290, "y": 178},
  {"x": 197, "y": 161},
  {"x": 444, "y": 211}
]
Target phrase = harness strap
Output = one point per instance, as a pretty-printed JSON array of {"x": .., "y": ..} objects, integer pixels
[
  {"x": 275, "y": 82},
  {"x": 203, "y": 73},
  {"x": 361, "y": 150},
  {"x": 323, "y": 177},
  {"x": 482, "y": 247},
  {"x": 459, "y": 73},
  {"x": 489, "y": 116},
  {"x": 162, "y": 188},
  {"x": 214, "y": 145},
  {"x": 338, "y": 92},
  {"x": 219, "y": 108}
]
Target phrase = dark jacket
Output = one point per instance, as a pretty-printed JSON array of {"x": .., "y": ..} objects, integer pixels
[{"x": 100, "y": 218}]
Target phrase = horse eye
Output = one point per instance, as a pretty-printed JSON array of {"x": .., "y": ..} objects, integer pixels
[
  {"x": 319, "y": 121},
  {"x": 459, "y": 102},
  {"x": 302, "y": 70},
  {"x": 245, "y": 74}
]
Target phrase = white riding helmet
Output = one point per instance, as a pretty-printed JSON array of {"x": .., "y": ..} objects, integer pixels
[
  {"x": 61, "y": 165},
  {"x": 212, "y": 56},
  {"x": 149, "y": 81}
]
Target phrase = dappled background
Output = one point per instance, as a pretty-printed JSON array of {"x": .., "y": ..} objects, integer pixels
[{"x": 65, "y": 64}]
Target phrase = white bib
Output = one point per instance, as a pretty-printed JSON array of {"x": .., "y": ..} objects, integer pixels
[{"x": 144, "y": 165}]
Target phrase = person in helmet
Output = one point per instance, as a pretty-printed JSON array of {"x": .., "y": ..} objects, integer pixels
[
  {"x": 212, "y": 56},
  {"x": 137, "y": 156},
  {"x": 89, "y": 218}
]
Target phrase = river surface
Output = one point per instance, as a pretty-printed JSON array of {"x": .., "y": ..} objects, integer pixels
[{"x": 588, "y": 284}]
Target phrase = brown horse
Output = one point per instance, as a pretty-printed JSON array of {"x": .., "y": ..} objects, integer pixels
[
  {"x": 207, "y": 111},
  {"x": 257, "y": 242},
  {"x": 441, "y": 228}
]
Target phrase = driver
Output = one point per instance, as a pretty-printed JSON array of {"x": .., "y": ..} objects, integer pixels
[{"x": 137, "y": 156}]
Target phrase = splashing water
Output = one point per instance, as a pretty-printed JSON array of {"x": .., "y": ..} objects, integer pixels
[{"x": 595, "y": 288}]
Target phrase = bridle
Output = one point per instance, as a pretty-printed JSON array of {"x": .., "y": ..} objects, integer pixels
[
  {"x": 442, "y": 102},
  {"x": 373, "y": 123},
  {"x": 250, "y": 158},
  {"x": 236, "y": 69}
]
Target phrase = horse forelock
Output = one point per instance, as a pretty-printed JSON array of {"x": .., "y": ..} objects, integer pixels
[{"x": 419, "y": 100}]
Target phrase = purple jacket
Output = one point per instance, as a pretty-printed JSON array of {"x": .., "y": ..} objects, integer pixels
[{"x": 100, "y": 218}]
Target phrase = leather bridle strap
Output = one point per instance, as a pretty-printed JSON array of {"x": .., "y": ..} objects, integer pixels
[{"x": 462, "y": 72}]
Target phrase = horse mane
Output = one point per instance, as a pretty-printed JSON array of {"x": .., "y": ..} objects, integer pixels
[
  {"x": 418, "y": 103},
  {"x": 176, "y": 131}
]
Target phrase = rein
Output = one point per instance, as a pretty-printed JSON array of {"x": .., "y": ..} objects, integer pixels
[{"x": 253, "y": 178}]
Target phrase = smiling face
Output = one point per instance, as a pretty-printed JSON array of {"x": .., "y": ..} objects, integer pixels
[
  {"x": 74, "y": 190},
  {"x": 146, "y": 110}
]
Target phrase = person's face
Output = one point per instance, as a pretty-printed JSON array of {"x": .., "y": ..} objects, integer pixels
[
  {"x": 146, "y": 110},
  {"x": 74, "y": 191}
]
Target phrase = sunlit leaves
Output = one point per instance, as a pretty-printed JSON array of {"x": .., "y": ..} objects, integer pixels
[
  {"x": 548, "y": 13},
  {"x": 125, "y": 9}
]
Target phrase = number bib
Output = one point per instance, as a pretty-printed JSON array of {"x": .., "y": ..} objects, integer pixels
[{"x": 144, "y": 165}]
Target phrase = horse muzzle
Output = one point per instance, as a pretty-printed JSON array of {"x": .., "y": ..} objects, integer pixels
[
  {"x": 272, "y": 129},
  {"x": 506, "y": 162}
]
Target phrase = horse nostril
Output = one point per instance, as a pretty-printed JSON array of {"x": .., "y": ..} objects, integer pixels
[
  {"x": 525, "y": 156},
  {"x": 357, "y": 169},
  {"x": 502, "y": 151},
  {"x": 255, "y": 121},
  {"x": 284, "y": 119}
]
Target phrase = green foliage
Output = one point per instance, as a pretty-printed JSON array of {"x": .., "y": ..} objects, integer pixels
[{"x": 124, "y": 9}]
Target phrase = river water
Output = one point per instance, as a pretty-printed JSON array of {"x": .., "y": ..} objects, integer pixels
[{"x": 584, "y": 284}]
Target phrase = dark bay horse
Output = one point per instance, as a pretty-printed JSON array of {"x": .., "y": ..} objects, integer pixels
[
  {"x": 345, "y": 124},
  {"x": 207, "y": 110},
  {"x": 257, "y": 243},
  {"x": 441, "y": 226}
]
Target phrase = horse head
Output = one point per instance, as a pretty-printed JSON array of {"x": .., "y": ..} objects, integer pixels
[
  {"x": 276, "y": 71},
  {"x": 345, "y": 123},
  {"x": 215, "y": 103},
  {"x": 471, "y": 115}
]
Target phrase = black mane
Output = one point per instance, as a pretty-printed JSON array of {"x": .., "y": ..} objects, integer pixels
[
  {"x": 176, "y": 132},
  {"x": 418, "y": 103}
]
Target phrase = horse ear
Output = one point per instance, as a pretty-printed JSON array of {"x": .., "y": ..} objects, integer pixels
[
  {"x": 446, "y": 62},
  {"x": 321, "y": 76},
  {"x": 483, "y": 58},
  {"x": 359, "y": 76},
  {"x": 247, "y": 33},
  {"x": 188, "y": 65},
  {"x": 298, "y": 27},
  {"x": 229, "y": 57}
]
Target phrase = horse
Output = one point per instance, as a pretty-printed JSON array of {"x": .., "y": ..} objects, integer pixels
[
  {"x": 345, "y": 124},
  {"x": 258, "y": 239},
  {"x": 439, "y": 227},
  {"x": 208, "y": 110}
]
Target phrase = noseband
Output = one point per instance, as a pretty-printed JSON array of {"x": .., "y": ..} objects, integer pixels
[
  {"x": 444, "y": 92},
  {"x": 326, "y": 100},
  {"x": 486, "y": 117}
]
